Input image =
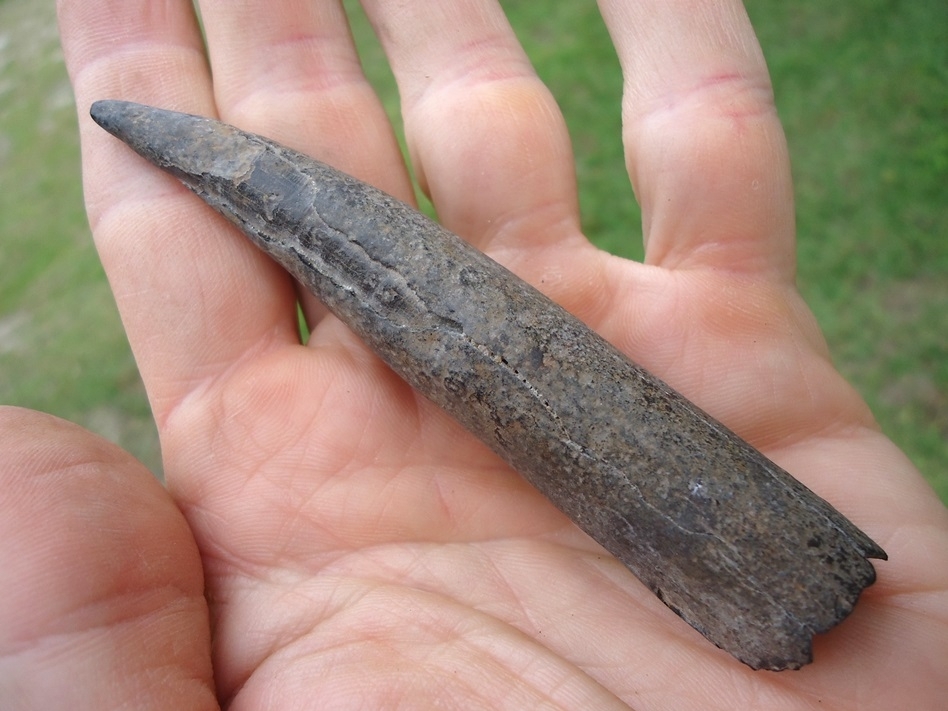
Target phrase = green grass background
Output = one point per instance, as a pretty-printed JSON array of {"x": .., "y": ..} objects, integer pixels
[{"x": 861, "y": 86}]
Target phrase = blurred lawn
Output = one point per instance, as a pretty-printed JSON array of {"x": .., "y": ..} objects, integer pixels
[{"x": 861, "y": 88}]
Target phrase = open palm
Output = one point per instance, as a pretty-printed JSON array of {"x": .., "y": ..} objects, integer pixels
[{"x": 358, "y": 548}]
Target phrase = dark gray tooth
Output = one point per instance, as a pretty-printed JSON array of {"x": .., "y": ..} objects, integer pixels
[{"x": 732, "y": 543}]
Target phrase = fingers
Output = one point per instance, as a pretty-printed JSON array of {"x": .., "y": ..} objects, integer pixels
[
  {"x": 103, "y": 601},
  {"x": 485, "y": 135},
  {"x": 704, "y": 147}
]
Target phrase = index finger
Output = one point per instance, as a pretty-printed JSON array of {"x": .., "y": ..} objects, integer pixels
[{"x": 194, "y": 298}]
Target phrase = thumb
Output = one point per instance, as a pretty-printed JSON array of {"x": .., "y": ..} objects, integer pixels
[{"x": 102, "y": 593}]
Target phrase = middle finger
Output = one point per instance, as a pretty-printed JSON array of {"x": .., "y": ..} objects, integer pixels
[{"x": 290, "y": 71}]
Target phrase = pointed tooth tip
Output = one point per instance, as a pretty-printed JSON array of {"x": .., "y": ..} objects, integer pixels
[
  {"x": 102, "y": 107},
  {"x": 145, "y": 129},
  {"x": 116, "y": 114},
  {"x": 123, "y": 119},
  {"x": 105, "y": 111}
]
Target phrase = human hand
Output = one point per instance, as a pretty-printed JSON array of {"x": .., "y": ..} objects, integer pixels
[{"x": 357, "y": 547}]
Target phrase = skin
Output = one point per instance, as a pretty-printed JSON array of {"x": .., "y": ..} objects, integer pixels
[{"x": 328, "y": 539}]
